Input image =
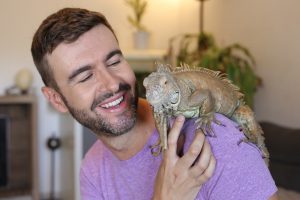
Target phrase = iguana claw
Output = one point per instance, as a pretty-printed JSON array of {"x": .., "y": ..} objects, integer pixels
[
  {"x": 156, "y": 148},
  {"x": 204, "y": 123}
]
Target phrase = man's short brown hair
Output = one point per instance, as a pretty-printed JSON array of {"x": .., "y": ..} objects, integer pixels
[{"x": 66, "y": 25}]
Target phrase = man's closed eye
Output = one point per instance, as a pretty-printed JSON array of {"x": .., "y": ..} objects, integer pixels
[{"x": 86, "y": 78}]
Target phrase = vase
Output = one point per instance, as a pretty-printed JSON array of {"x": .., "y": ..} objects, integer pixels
[{"x": 141, "y": 39}]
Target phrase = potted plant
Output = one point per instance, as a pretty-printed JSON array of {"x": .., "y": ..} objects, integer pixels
[
  {"x": 141, "y": 35},
  {"x": 235, "y": 60}
]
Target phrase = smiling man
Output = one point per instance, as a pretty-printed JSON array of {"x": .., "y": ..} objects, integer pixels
[
  {"x": 78, "y": 57},
  {"x": 97, "y": 86}
]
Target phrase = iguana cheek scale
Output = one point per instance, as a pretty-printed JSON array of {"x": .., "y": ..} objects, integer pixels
[{"x": 198, "y": 93}]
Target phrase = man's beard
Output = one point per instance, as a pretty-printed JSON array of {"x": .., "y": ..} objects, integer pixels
[{"x": 100, "y": 125}]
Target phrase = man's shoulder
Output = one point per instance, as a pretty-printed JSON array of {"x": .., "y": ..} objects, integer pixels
[
  {"x": 240, "y": 166},
  {"x": 225, "y": 138},
  {"x": 226, "y": 131}
]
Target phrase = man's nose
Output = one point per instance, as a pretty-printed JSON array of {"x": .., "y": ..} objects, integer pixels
[{"x": 107, "y": 82}]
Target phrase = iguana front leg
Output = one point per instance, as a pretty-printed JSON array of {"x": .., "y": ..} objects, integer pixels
[
  {"x": 206, "y": 104},
  {"x": 161, "y": 126}
]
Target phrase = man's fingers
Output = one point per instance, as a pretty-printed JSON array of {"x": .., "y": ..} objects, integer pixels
[
  {"x": 208, "y": 172},
  {"x": 174, "y": 135},
  {"x": 187, "y": 160},
  {"x": 201, "y": 165}
]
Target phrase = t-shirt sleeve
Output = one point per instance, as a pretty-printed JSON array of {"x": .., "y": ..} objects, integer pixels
[{"x": 241, "y": 173}]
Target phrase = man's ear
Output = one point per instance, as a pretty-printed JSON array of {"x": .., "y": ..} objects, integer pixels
[{"x": 55, "y": 99}]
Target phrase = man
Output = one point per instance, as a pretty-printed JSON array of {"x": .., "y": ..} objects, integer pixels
[{"x": 79, "y": 59}]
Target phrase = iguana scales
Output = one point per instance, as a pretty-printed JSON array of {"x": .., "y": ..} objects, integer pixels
[{"x": 200, "y": 93}]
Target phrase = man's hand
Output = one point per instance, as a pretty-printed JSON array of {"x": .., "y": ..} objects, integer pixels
[{"x": 182, "y": 177}]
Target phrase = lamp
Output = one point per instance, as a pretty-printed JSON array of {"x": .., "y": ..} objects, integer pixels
[
  {"x": 201, "y": 15},
  {"x": 53, "y": 143}
]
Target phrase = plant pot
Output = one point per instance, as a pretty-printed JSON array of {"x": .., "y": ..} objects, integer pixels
[{"x": 141, "y": 39}]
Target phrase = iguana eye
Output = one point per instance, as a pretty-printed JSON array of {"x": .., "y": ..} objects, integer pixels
[{"x": 163, "y": 81}]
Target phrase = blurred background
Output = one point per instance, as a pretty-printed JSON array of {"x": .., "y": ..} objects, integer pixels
[{"x": 268, "y": 29}]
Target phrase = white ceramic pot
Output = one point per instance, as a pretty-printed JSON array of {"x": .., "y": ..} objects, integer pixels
[{"x": 141, "y": 39}]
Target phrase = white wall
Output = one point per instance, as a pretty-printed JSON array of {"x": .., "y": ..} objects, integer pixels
[
  {"x": 20, "y": 19},
  {"x": 269, "y": 28}
]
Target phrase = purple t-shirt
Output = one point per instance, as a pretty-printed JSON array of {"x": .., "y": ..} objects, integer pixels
[{"x": 240, "y": 173}]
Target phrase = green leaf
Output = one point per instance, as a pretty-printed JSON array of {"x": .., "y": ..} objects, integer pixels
[
  {"x": 235, "y": 60},
  {"x": 139, "y": 9}
]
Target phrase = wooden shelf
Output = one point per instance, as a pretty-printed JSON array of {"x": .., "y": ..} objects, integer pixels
[
  {"x": 143, "y": 60},
  {"x": 22, "y": 99},
  {"x": 22, "y": 150}
]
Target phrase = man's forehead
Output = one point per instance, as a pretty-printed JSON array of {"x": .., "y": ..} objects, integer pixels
[
  {"x": 96, "y": 43},
  {"x": 98, "y": 37}
]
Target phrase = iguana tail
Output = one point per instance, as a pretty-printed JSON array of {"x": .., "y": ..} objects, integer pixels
[{"x": 244, "y": 116}]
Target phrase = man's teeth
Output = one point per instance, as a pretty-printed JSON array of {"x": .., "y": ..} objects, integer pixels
[{"x": 113, "y": 103}]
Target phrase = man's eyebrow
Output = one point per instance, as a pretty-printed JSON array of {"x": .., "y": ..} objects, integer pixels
[
  {"x": 112, "y": 53},
  {"x": 78, "y": 71},
  {"x": 88, "y": 67}
]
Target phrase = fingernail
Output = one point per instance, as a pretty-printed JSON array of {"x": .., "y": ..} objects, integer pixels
[{"x": 180, "y": 118}]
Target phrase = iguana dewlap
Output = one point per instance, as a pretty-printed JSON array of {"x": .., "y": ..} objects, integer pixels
[{"x": 198, "y": 93}]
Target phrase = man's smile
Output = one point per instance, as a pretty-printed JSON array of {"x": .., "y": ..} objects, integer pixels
[
  {"x": 113, "y": 103},
  {"x": 116, "y": 103}
]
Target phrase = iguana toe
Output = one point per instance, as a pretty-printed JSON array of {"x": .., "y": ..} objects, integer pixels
[
  {"x": 210, "y": 130},
  {"x": 218, "y": 122},
  {"x": 204, "y": 123},
  {"x": 156, "y": 149}
]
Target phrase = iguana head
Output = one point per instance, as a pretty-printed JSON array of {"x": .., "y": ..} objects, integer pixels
[{"x": 162, "y": 91}]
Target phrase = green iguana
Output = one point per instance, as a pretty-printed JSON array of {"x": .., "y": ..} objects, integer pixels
[{"x": 200, "y": 93}]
